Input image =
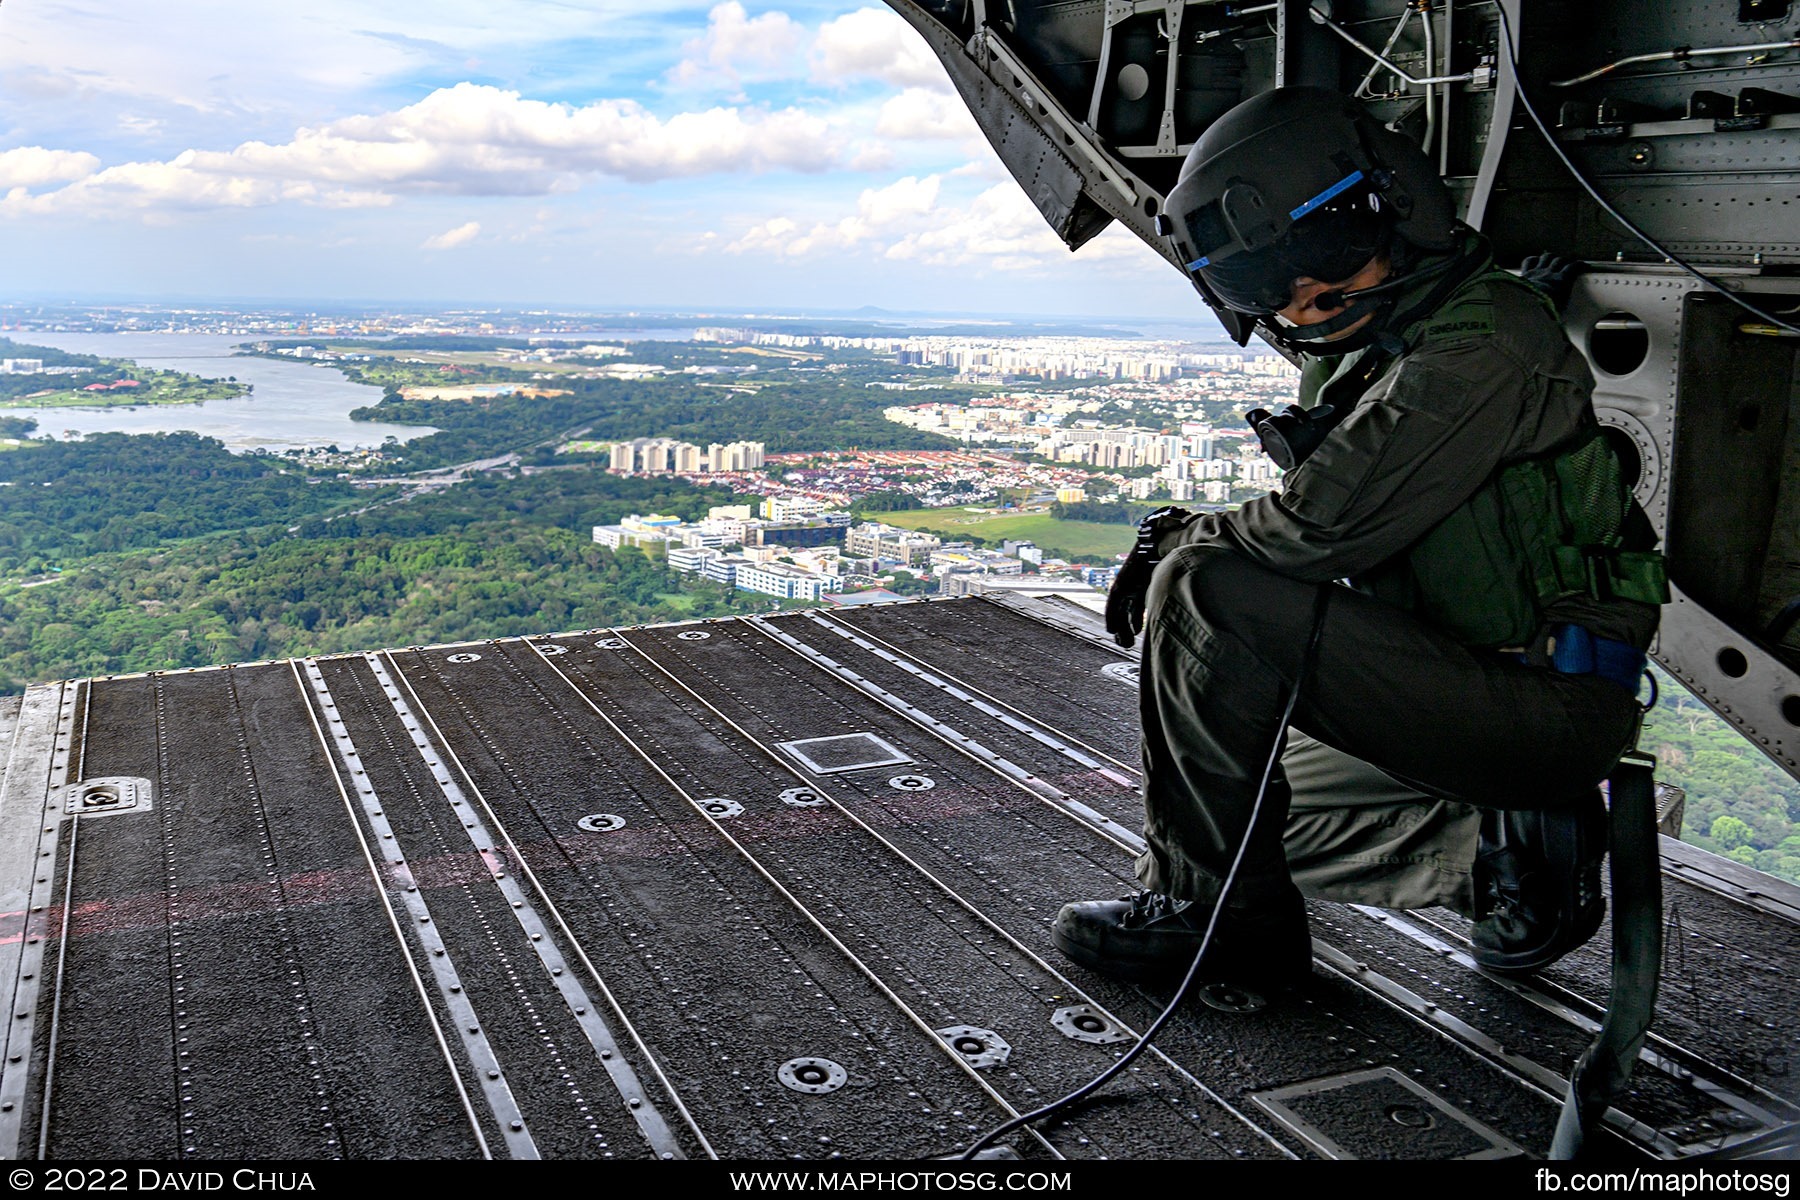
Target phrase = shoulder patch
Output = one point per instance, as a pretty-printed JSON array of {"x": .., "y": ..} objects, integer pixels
[{"x": 1464, "y": 320}]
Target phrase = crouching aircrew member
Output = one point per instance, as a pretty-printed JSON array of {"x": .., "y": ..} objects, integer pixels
[{"x": 1477, "y": 679}]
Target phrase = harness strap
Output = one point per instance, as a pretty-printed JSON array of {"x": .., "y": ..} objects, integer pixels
[{"x": 1605, "y": 1070}]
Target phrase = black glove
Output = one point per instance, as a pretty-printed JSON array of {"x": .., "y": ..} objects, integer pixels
[
  {"x": 1125, "y": 602},
  {"x": 1553, "y": 275}
]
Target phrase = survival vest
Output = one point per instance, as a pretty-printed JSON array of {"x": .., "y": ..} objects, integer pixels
[{"x": 1539, "y": 531}]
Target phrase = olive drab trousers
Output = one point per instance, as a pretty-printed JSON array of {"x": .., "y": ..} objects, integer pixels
[{"x": 1400, "y": 735}]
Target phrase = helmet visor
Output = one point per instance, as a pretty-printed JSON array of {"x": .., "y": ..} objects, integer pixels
[{"x": 1330, "y": 244}]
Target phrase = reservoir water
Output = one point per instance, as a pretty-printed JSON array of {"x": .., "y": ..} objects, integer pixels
[{"x": 293, "y": 404}]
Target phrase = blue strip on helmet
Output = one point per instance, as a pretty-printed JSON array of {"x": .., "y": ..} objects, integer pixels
[
  {"x": 1198, "y": 263},
  {"x": 1325, "y": 195}
]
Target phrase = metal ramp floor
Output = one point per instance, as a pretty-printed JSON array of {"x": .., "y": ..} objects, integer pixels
[{"x": 751, "y": 889}]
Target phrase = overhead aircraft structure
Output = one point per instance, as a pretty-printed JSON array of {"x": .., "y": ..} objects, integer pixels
[{"x": 1656, "y": 142}]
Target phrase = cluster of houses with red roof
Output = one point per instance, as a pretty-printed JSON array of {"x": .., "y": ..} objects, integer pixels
[{"x": 107, "y": 387}]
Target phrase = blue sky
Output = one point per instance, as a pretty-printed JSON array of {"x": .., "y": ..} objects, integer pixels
[{"x": 803, "y": 155}]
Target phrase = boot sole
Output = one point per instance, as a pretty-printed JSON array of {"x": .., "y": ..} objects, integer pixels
[
  {"x": 1529, "y": 962},
  {"x": 1166, "y": 970}
]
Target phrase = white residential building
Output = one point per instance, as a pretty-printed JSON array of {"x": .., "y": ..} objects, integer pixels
[{"x": 789, "y": 583}]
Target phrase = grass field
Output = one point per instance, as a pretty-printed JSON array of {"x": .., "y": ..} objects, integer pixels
[{"x": 1066, "y": 539}]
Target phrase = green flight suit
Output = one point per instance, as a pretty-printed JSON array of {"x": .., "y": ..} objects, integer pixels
[{"x": 1401, "y": 730}]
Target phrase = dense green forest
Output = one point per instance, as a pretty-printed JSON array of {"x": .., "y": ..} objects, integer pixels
[
  {"x": 50, "y": 356},
  {"x": 822, "y": 415},
  {"x": 241, "y": 598},
  {"x": 493, "y": 557},
  {"x": 1739, "y": 804},
  {"x": 114, "y": 491}
]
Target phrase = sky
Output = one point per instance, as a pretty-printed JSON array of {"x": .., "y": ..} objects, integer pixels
[{"x": 600, "y": 154}]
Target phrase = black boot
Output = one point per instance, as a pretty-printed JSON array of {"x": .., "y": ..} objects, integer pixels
[
  {"x": 1150, "y": 936},
  {"x": 1537, "y": 884}
]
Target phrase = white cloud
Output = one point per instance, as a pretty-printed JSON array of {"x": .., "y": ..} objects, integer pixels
[
  {"x": 225, "y": 57},
  {"x": 466, "y": 140},
  {"x": 452, "y": 238},
  {"x": 877, "y": 209},
  {"x": 737, "y": 46},
  {"x": 34, "y": 166},
  {"x": 919, "y": 113},
  {"x": 875, "y": 43},
  {"x": 912, "y": 221},
  {"x": 999, "y": 229}
]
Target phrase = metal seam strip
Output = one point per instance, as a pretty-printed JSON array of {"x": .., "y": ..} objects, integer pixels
[
  {"x": 799, "y": 906},
  {"x": 649, "y": 1121},
  {"x": 21, "y": 1019},
  {"x": 550, "y": 907},
  {"x": 1586, "y": 1024},
  {"x": 1019, "y": 609},
  {"x": 1074, "y": 990},
  {"x": 975, "y": 702},
  {"x": 481, "y": 1055},
  {"x": 1020, "y": 714},
  {"x": 1698, "y": 869},
  {"x": 62, "y": 956},
  {"x": 1118, "y": 834},
  {"x": 393, "y": 919}
]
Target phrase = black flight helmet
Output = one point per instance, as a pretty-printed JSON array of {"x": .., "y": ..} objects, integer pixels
[{"x": 1301, "y": 182}]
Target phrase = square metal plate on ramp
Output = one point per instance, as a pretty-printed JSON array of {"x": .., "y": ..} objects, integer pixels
[
  {"x": 843, "y": 752},
  {"x": 111, "y": 794},
  {"x": 1381, "y": 1114}
]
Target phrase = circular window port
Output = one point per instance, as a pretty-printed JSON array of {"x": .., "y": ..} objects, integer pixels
[
  {"x": 1631, "y": 457},
  {"x": 1618, "y": 343},
  {"x": 1790, "y": 709},
  {"x": 1732, "y": 661},
  {"x": 1134, "y": 82}
]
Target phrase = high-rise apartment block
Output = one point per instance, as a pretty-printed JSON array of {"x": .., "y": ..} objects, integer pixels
[{"x": 666, "y": 456}]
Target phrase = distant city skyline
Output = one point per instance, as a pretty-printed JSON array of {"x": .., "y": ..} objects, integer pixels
[{"x": 802, "y": 156}]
